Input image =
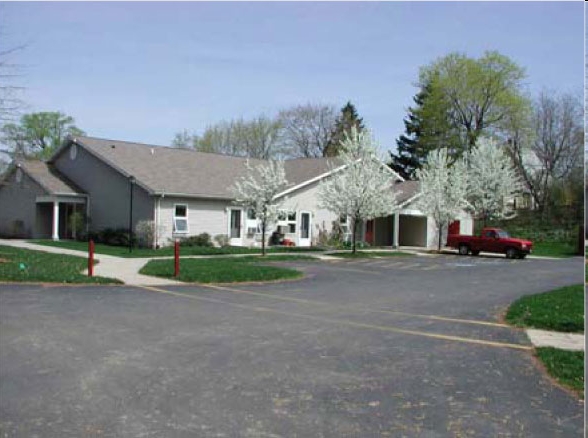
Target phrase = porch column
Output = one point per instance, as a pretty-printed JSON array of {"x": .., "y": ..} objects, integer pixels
[
  {"x": 396, "y": 228},
  {"x": 55, "y": 235}
]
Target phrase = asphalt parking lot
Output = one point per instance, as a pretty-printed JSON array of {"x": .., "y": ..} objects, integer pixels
[{"x": 362, "y": 348}]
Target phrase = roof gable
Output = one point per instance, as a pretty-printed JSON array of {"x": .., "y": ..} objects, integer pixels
[{"x": 47, "y": 177}]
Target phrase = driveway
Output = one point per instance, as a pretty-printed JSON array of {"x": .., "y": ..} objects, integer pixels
[{"x": 363, "y": 348}]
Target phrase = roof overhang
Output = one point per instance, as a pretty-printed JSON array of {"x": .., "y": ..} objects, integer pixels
[{"x": 65, "y": 198}]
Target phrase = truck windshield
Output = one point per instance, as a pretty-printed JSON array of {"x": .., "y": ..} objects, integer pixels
[{"x": 502, "y": 234}]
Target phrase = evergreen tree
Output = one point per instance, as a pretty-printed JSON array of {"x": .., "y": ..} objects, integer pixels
[
  {"x": 428, "y": 127},
  {"x": 343, "y": 124},
  {"x": 409, "y": 156}
]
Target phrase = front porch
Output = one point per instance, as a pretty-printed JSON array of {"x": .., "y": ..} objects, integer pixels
[{"x": 61, "y": 217}]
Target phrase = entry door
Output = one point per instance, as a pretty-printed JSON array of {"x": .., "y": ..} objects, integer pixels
[
  {"x": 235, "y": 227},
  {"x": 304, "y": 238}
]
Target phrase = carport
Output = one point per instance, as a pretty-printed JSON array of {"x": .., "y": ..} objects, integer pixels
[{"x": 412, "y": 230}]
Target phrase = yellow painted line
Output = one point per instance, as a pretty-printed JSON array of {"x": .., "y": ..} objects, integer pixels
[
  {"x": 412, "y": 265},
  {"x": 395, "y": 263},
  {"x": 344, "y": 322},
  {"x": 351, "y": 307},
  {"x": 379, "y": 262},
  {"x": 363, "y": 271}
]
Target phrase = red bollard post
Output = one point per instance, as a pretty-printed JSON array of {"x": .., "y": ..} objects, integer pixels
[
  {"x": 90, "y": 258},
  {"x": 177, "y": 259}
]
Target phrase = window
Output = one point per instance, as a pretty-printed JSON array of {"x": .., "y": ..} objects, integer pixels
[
  {"x": 250, "y": 214},
  {"x": 180, "y": 218},
  {"x": 287, "y": 219}
]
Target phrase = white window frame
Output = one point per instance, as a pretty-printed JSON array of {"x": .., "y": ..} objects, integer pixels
[
  {"x": 288, "y": 222},
  {"x": 176, "y": 218}
]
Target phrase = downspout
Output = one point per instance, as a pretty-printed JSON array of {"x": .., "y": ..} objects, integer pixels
[{"x": 87, "y": 215}]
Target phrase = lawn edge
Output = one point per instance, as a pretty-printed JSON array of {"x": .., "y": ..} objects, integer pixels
[{"x": 577, "y": 393}]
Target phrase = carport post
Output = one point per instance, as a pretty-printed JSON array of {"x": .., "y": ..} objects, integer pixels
[
  {"x": 90, "y": 258},
  {"x": 396, "y": 229},
  {"x": 177, "y": 259}
]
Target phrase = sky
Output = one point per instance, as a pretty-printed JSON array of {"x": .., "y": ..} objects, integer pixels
[{"x": 144, "y": 71}]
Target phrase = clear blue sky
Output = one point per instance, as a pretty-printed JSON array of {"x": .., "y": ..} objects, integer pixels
[{"x": 143, "y": 71}]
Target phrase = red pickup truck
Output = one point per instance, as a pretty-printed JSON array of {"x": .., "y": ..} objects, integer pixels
[{"x": 491, "y": 240}]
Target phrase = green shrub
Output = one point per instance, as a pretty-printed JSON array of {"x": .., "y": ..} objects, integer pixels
[
  {"x": 202, "y": 239},
  {"x": 359, "y": 244},
  {"x": 112, "y": 236},
  {"x": 77, "y": 222}
]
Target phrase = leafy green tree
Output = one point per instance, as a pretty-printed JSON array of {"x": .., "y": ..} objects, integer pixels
[
  {"x": 343, "y": 124},
  {"x": 483, "y": 94},
  {"x": 37, "y": 134}
]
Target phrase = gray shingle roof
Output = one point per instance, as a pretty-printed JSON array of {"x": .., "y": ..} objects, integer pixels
[
  {"x": 406, "y": 190},
  {"x": 49, "y": 178},
  {"x": 182, "y": 171}
]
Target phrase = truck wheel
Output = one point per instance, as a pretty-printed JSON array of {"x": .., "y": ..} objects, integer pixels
[
  {"x": 522, "y": 256},
  {"x": 511, "y": 253},
  {"x": 464, "y": 249}
]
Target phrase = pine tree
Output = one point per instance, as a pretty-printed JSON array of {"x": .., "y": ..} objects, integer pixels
[
  {"x": 409, "y": 156},
  {"x": 346, "y": 120},
  {"x": 427, "y": 128}
]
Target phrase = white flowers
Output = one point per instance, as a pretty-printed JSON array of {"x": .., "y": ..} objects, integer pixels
[{"x": 363, "y": 188}]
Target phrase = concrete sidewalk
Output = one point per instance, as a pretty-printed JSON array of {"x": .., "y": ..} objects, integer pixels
[
  {"x": 126, "y": 269},
  {"x": 122, "y": 268},
  {"x": 564, "y": 341}
]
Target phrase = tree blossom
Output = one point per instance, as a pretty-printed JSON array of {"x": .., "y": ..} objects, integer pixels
[
  {"x": 258, "y": 191},
  {"x": 492, "y": 181},
  {"x": 443, "y": 189},
  {"x": 361, "y": 187}
]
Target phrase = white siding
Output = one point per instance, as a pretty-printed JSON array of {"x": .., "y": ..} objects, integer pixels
[
  {"x": 306, "y": 199},
  {"x": 204, "y": 216},
  {"x": 466, "y": 226}
]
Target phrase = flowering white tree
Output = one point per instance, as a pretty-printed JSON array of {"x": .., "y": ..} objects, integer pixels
[
  {"x": 443, "y": 189},
  {"x": 257, "y": 191},
  {"x": 363, "y": 189},
  {"x": 492, "y": 180}
]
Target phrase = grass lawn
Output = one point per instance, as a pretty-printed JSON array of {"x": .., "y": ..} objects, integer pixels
[
  {"x": 567, "y": 367},
  {"x": 44, "y": 267},
  {"x": 554, "y": 249},
  {"x": 369, "y": 254},
  {"x": 123, "y": 251},
  {"x": 225, "y": 270},
  {"x": 559, "y": 310}
]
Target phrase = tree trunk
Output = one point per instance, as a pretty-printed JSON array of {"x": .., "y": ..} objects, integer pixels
[
  {"x": 263, "y": 238},
  {"x": 353, "y": 234}
]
